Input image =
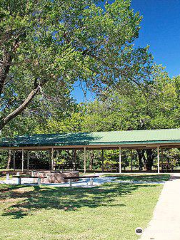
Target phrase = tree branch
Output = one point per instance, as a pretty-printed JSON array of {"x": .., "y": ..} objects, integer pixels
[
  {"x": 18, "y": 110},
  {"x": 4, "y": 70}
]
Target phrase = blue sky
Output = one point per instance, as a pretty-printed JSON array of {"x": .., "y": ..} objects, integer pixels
[{"x": 160, "y": 28}]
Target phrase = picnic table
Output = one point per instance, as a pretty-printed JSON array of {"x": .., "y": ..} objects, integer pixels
[
  {"x": 167, "y": 166},
  {"x": 19, "y": 177},
  {"x": 90, "y": 177}
]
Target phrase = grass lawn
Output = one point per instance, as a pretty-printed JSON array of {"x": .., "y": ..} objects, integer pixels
[
  {"x": 141, "y": 177},
  {"x": 111, "y": 211}
]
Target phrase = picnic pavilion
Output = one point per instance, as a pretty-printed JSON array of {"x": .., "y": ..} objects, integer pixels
[{"x": 132, "y": 139}]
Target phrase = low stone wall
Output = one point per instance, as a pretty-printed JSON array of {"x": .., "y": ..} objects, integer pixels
[{"x": 54, "y": 177}]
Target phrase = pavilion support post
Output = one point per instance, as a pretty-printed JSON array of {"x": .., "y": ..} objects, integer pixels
[
  {"x": 158, "y": 157},
  {"x": 102, "y": 156},
  {"x": 14, "y": 160},
  {"x": 28, "y": 160},
  {"x": 74, "y": 160},
  {"x": 120, "y": 159},
  {"x": 85, "y": 156},
  {"x": 168, "y": 158},
  {"x": 162, "y": 155},
  {"x": 131, "y": 159},
  {"x": 22, "y": 160},
  {"x": 52, "y": 158},
  {"x": 49, "y": 152}
]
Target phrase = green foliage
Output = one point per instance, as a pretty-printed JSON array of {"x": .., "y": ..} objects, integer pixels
[
  {"x": 171, "y": 156},
  {"x": 50, "y": 45},
  {"x": 155, "y": 105},
  {"x": 54, "y": 44},
  {"x": 3, "y": 159}
]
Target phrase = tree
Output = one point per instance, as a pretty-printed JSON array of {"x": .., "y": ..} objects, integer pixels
[
  {"x": 155, "y": 105},
  {"x": 46, "y": 46}
]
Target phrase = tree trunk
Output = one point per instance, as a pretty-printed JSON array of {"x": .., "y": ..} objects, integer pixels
[
  {"x": 150, "y": 158},
  {"x": 9, "y": 159},
  {"x": 140, "y": 157},
  {"x": 4, "y": 69}
]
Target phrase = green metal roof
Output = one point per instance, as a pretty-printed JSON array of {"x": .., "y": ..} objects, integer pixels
[{"x": 95, "y": 138}]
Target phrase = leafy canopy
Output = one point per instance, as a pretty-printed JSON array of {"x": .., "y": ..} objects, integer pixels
[{"x": 46, "y": 46}]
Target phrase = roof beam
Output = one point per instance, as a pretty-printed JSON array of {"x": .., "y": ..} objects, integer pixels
[{"x": 95, "y": 147}]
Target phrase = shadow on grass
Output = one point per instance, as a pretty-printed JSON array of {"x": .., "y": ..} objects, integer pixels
[{"x": 25, "y": 201}]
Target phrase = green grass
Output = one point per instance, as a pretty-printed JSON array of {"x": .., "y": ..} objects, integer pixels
[
  {"x": 142, "y": 177},
  {"x": 110, "y": 212}
]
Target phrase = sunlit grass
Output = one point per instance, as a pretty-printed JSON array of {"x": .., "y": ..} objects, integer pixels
[
  {"x": 142, "y": 177},
  {"x": 111, "y": 211}
]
